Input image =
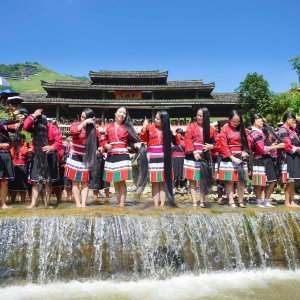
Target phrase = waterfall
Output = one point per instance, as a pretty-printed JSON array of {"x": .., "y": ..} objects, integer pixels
[{"x": 53, "y": 248}]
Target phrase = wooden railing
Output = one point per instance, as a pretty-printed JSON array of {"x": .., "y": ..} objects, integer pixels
[{"x": 64, "y": 128}]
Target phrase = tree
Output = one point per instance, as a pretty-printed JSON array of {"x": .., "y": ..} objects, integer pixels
[
  {"x": 295, "y": 61},
  {"x": 254, "y": 95},
  {"x": 283, "y": 103}
]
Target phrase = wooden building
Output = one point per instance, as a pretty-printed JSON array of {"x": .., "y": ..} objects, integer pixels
[{"x": 142, "y": 92}]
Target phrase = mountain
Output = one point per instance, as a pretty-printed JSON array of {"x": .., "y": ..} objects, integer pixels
[{"x": 27, "y": 77}]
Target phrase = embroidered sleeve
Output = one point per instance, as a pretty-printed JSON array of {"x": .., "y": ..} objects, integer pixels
[
  {"x": 284, "y": 134},
  {"x": 258, "y": 143}
]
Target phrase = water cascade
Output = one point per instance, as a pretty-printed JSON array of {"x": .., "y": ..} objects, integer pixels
[{"x": 43, "y": 249}]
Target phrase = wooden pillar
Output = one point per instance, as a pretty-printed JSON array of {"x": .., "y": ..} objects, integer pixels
[
  {"x": 103, "y": 116},
  {"x": 57, "y": 113},
  {"x": 152, "y": 110}
]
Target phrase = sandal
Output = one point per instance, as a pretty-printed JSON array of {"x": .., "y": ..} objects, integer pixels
[
  {"x": 202, "y": 205},
  {"x": 194, "y": 205},
  {"x": 242, "y": 205},
  {"x": 232, "y": 205}
]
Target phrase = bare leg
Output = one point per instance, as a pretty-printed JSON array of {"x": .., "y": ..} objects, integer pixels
[
  {"x": 84, "y": 193},
  {"x": 287, "y": 193},
  {"x": 3, "y": 194},
  {"x": 95, "y": 194},
  {"x": 193, "y": 192},
  {"x": 240, "y": 192},
  {"x": 202, "y": 195},
  {"x": 162, "y": 193},
  {"x": 123, "y": 192},
  {"x": 64, "y": 193},
  {"x": 117, "y": 191},
  {"x": 48, "y": 189},
  {"x": 230, "y": 191},
  {"x": 292, "y": 195},
  {"x": 34, "y": 196},
  {"x": 258, "y": 193},
  {"x": 269, "y": 190},
  {"x": 69, "y": 193},
  {"x": 155, "y": 193},
  {"x": 76, "y": 193}
]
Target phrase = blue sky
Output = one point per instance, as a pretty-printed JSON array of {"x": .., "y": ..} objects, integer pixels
[{"x": 212, "y": 40}]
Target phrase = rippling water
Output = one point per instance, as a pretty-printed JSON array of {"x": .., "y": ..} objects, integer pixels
[{"x": 255, "y": 284}]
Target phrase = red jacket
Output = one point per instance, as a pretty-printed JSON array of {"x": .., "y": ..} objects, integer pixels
[
  {"x": 117, "y": 136},
  {"x": 231, "y": 142},
  {"x": 194, "y": 134},
  {"x": 154, "y": 137},
  {"x": 54, "y": 134},
  {"x": 217, "y": 147},
  {"x": 78, "y": 144},
  {"x": 19, "y": 158}
]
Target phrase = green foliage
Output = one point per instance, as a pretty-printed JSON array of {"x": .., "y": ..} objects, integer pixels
[
  {"x": 13, "y": 70},
  {"x": 254, "y": 95},
  {"x": 83, "y": 78},
  {"x": 295, "y": 62},
  {"x": 28, "y": 136},
  {"x": 283, "y": 103},
  {"x": 2, "y": 112}
]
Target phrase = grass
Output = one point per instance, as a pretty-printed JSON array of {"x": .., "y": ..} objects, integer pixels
[{"x": 33, "y": 83}]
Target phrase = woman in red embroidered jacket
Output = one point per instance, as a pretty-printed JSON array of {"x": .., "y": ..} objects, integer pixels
[
  {"x": 19, "y": 153},
  {"x": 47, "y": 140},
  {"x": 158, "y": 137},
  {"x": 264, "y": 175},
  {"x": 199, "y": 141},
  {"x": 216, "y": 157},
  {"x": 117, "y": 168},
  {"x": 235, "y": 145},
  {"x": 6, "y": 166},
  {"x": 178, "y": 155},
  {"x": 291, "y": 167},
  {"x": 82, "y": 161}
]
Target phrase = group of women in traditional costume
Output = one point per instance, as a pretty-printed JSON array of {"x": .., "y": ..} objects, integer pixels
[{"x": 200, "y": 156}]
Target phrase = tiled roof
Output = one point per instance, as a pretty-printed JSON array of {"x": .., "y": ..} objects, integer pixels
[
  {"x": 72, "y": 84},
  {"x": 216, "y": 98},
  {"x": 127, "y": 74}
]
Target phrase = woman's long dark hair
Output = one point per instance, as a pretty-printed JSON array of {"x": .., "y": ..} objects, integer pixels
[
  {"x": 40, "y": 139},
  {"x": 143, "y": 160},
  {"x": 17, "y": 141},
  {"x": 206, "y": 174},
  {"x": 241, "y": 129},
  {"x": 206, "y": 124},
  {"x": 167, "y": 140},
  {"x": 91, "y": 140}
]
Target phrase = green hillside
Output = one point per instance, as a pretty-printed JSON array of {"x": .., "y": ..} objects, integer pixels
[{"x": 33, "y": 83}]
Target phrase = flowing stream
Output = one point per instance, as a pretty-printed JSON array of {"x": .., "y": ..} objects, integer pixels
[{"x": 109, "y": 255}]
